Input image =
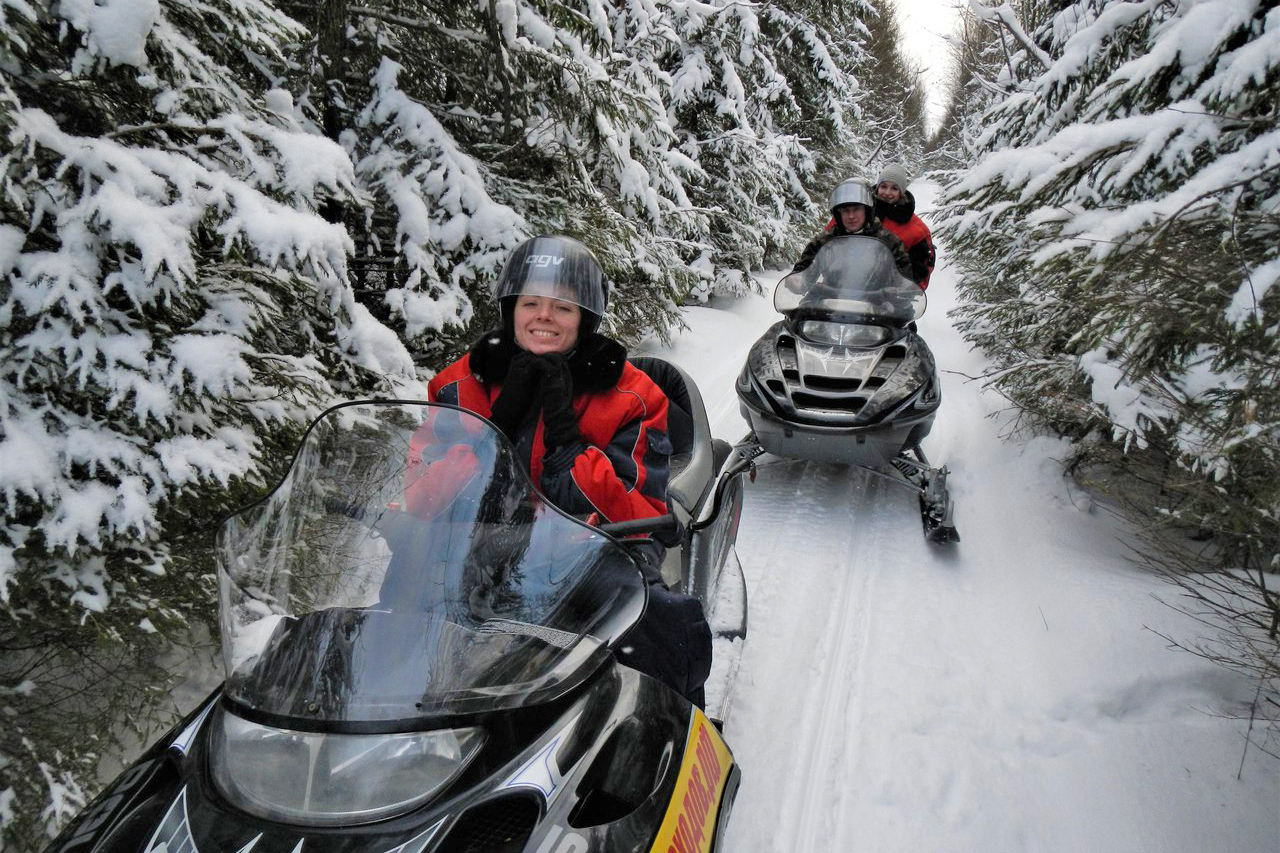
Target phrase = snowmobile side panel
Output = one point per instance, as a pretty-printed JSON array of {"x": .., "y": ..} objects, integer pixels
[
  {"x": 695, "y": 811},
  {"x": 709, "y": 547}
]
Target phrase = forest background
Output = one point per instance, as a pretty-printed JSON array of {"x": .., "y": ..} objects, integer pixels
[{"x": 218, "y": 218}]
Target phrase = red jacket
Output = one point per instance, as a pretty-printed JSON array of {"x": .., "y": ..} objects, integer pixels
[
  {"x": 901, "y": 220},
  {"x": 621, "y": 466}
]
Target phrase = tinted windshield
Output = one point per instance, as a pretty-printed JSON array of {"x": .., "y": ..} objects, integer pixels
[
  {"x": 855, "y": 277},
  {"x": 406, "y": 567}
]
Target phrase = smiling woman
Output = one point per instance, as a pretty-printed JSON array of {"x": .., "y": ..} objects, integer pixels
[
  {"x": 544, "y": 324},
  {"x": 590, "y": 425}
]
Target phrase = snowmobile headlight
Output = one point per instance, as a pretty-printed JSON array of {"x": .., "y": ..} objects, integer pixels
[
  {"x": 844, "y": 334},
  {"x": 325, "y": 779}
]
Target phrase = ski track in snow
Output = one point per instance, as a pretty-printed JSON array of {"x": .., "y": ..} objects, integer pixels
[{"x": 1008, "y": 693}]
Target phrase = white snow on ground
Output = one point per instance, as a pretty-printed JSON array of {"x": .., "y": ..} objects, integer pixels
[{"x": 1008, "y": 693}]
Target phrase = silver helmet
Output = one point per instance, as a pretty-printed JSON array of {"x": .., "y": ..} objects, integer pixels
[
  {"x": 851, "y": 191},
  {"x": 555, "y": 266}
]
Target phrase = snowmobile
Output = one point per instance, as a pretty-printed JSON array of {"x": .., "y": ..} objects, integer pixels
[
  {"x": 843, "y": 377},
  {"x": 420, "y": 656}
]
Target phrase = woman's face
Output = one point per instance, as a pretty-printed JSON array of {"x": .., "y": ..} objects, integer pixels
[
  {"x": 544, "y": 324},
  {"x": 889, "y": 191}
]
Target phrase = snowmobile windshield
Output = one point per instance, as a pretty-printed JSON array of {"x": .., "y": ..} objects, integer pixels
[
  {"x": 406, "y": 568},
  {"x": 852, "y": 278}
]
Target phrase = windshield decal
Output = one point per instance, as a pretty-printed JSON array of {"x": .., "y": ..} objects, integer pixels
[
  {"x": 174, "y": 832},
  {"x": 541, "y": 772},
  {"x": 550, "y": 636},
  {"x": 182, "y": 743}
]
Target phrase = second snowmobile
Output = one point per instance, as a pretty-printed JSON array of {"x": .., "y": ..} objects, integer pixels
[
  {"x": 420, "y": 656},
  {"x": 844, "y": 377}
]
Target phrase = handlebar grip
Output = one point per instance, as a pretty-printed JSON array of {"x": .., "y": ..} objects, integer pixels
[{"x": 660, "y": 524}]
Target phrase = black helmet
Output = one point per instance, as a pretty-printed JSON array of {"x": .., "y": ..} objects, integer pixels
[
  {"x": 555, "y": 266},
  {"x": 851, "y": 191}
]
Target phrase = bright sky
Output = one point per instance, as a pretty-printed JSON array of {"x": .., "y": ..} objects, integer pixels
[{"x": 924, "y": 23}]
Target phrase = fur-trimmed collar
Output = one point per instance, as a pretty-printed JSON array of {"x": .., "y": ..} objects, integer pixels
[{"x": 596, "y": 362}]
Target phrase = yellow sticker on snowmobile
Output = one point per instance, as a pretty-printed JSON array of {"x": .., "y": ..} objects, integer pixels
[{"x": 690, "y": 822}]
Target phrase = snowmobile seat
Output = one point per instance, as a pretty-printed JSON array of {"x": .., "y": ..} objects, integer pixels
[
  {"x": 692, "y": 462},
  {"x": 679, "y": 421}
]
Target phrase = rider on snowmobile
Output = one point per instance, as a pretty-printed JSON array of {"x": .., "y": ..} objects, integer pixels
[
  {"x": 591, "y": 427},
  {"x": 896, "y": 208},
  {"x": 853, "y": 212}
]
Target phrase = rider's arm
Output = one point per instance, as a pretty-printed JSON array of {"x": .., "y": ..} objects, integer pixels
[
  {"x": 921, "y": 255},
  {"x": 624, "y": 479},
  {"x": 811, "y": 251},
  {"x": 900, "y": 256}
]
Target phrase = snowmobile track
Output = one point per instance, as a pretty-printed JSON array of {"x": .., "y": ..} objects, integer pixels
[{"x": 803, "y": 514}]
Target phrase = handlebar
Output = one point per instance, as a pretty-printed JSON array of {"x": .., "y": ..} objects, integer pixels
[{"x": 660, "y": 524}]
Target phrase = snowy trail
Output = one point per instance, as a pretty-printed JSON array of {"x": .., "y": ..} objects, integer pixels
[
  {"x": 1005, "y": 694},
  {"x": 815, "y": 598}
]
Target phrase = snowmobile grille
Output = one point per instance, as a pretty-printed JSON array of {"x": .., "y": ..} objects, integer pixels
[
  {"x": 833, "y": 383},
  {"x": 851, "y": 405},
  {"x": 497, "y": 826}
]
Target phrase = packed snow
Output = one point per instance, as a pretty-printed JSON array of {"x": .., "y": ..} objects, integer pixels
[{"x": 1011, "y": 692}]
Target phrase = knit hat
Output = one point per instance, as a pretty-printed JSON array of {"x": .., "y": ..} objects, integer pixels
[{"x": 895, "y": 174}]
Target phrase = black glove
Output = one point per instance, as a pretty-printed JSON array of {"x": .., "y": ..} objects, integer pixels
[
  {"x": 519, "y": 393},
  {"x": 560, "y": 424}
]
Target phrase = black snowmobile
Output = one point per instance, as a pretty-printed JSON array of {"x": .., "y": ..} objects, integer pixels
[
  {"x": 844, "y": 377},
  {"x": 419, "y": 655}
]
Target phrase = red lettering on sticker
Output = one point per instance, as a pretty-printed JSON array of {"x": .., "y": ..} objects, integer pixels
[
  {"x": 707, "y": 755},
  {"x": 694, "y": 801},
  {"x": 685, "y": 835},
  {"x": 705, "y": 773},
  {"x": 680, "y": 843},
  {"x": 701, "y": 796}
]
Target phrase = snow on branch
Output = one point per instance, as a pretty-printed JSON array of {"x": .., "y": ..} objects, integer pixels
[{"x": 1004, "y": 16}]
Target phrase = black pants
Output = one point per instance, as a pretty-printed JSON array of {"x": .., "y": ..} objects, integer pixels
[{"x": 671, "y": 642}]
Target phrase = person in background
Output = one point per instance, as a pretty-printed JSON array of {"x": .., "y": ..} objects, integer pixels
[
  {"x": 590, "y": 426},
  {"x": 896, "y": 208},
  {"x": 853, "y": 212}
]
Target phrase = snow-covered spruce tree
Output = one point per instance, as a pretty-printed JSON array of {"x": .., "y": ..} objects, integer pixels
[
  {"x": 172, "y": 310},
  {"x": 764, "y": 103},
  {"x": 475, "y": 125},
  {"x": 978, "y": 78},
  {"x": 1119, "y": 250},
  {"x": 672, "y": 137},
  {"x": 893, "y": 102}
]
